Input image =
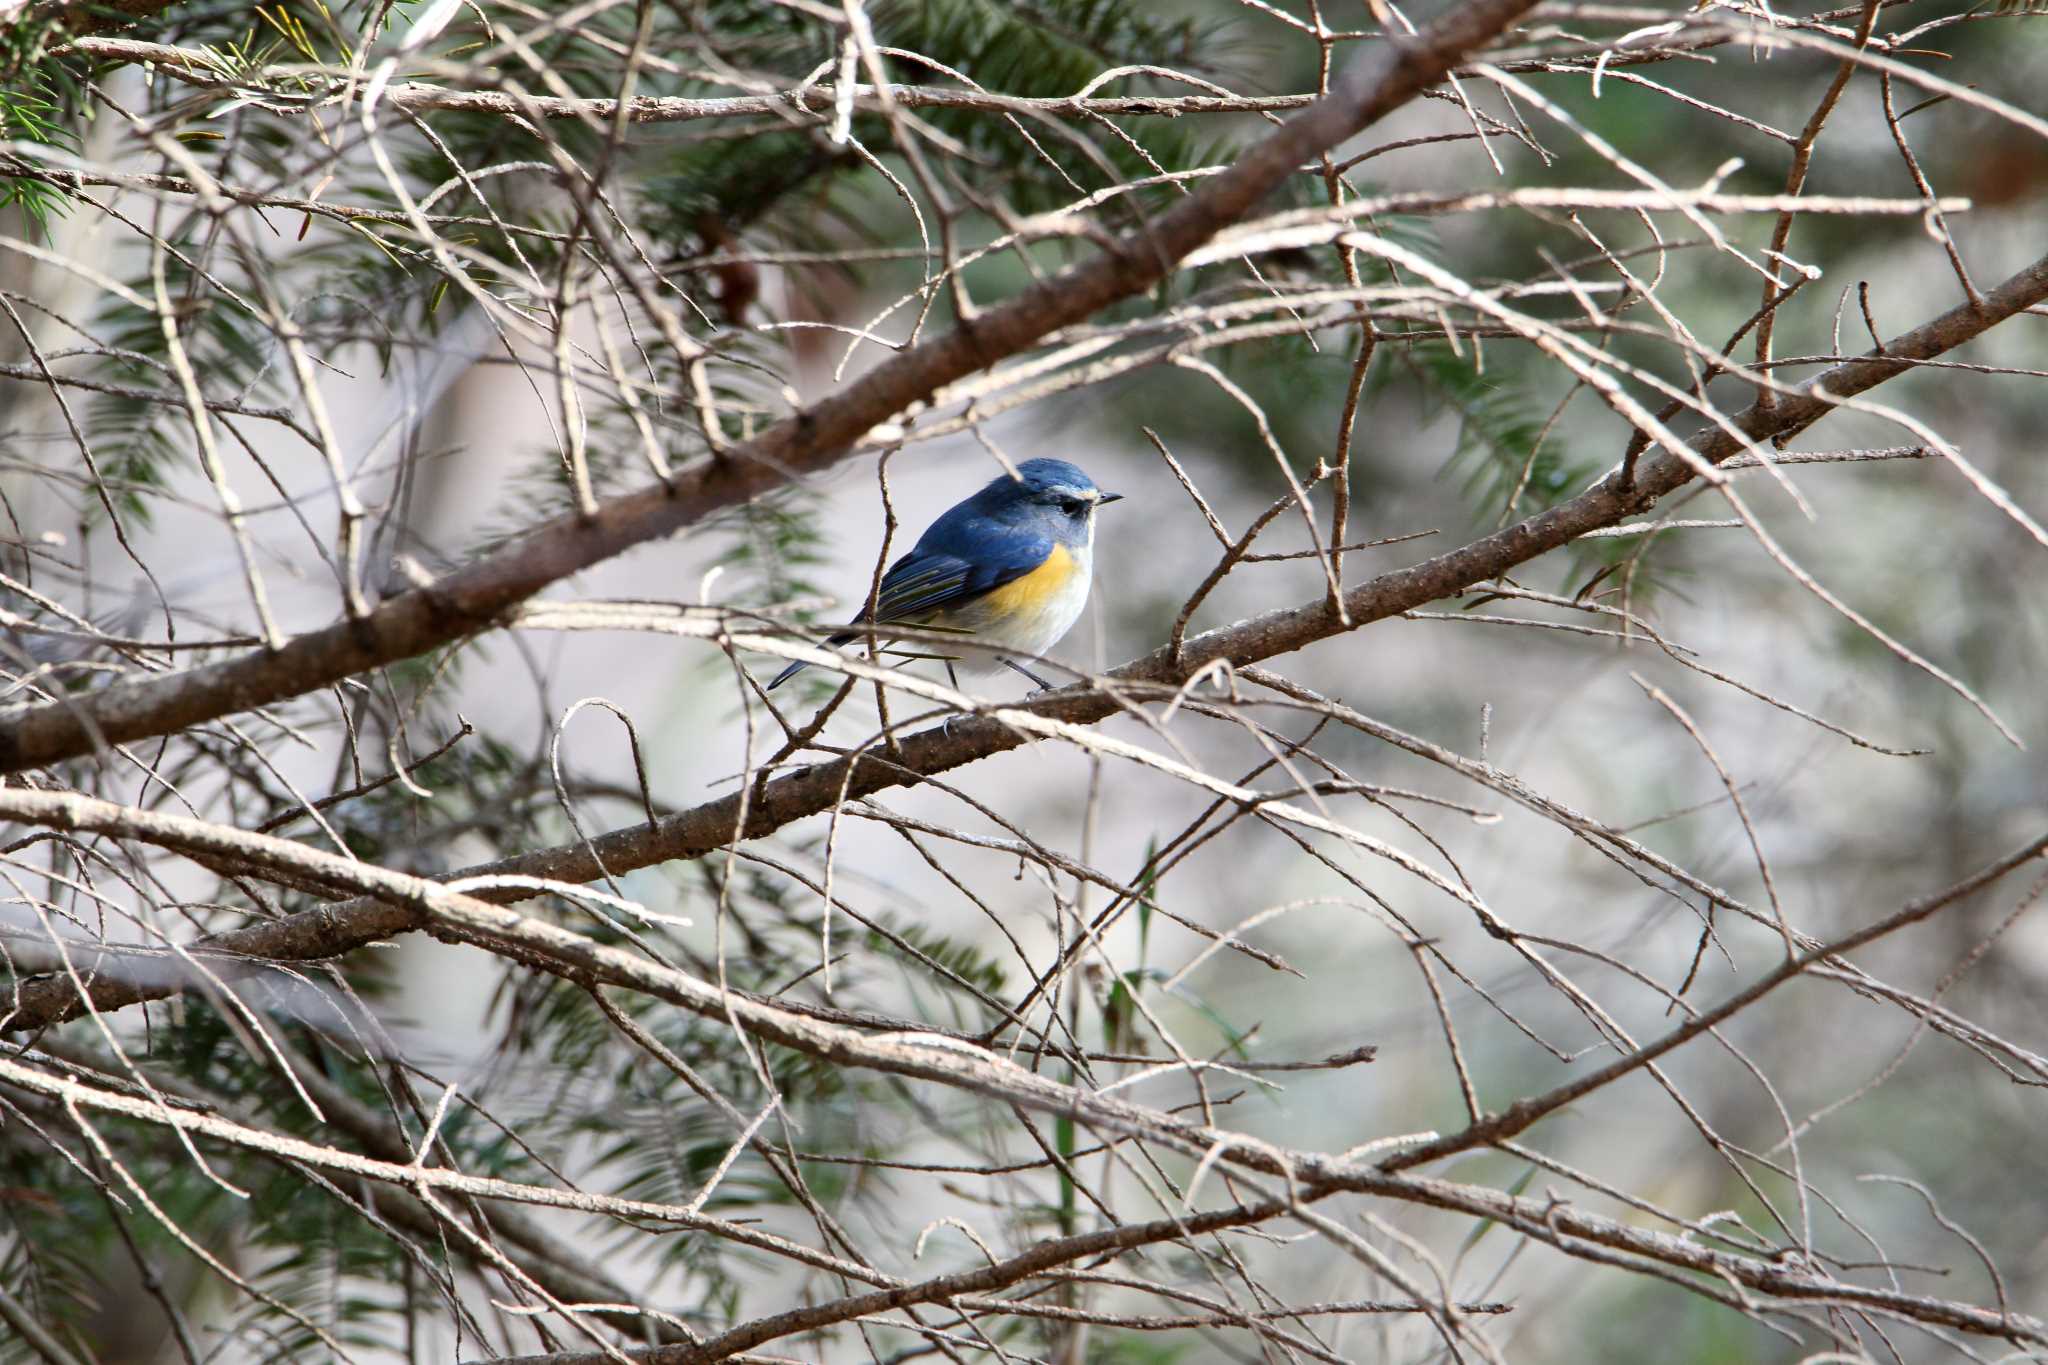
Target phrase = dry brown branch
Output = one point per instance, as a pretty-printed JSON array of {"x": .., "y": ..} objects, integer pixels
[
  {"x": 475, "y": 597},
  {"x": 1309, "y": 1175},
  {"x": 202, "y": 68}
]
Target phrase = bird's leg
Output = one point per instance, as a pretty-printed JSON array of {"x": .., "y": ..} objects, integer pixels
[
  {"x": 1043, "y": 685},
  {"x": 953, "y": 678}
]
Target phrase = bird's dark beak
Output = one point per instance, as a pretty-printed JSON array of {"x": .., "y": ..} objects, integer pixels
[{"x": 1104, "y": 498}]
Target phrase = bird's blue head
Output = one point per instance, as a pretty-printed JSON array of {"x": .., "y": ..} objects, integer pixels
[{"x": 1048, "y": 495}]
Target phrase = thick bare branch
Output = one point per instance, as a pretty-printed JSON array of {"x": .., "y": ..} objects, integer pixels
[{"x": 816, "y": 789}]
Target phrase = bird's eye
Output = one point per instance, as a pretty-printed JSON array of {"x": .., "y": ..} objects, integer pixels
[{"x": 1073, "y": 507}]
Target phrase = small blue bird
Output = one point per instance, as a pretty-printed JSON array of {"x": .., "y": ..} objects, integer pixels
[{"x": 1009, "y": 567}]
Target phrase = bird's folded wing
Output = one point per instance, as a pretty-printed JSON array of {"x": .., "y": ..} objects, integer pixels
[{"x": 926, "y": 581}]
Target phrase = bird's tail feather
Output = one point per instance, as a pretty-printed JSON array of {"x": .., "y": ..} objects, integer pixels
[{"x": 799, "y": 666}]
